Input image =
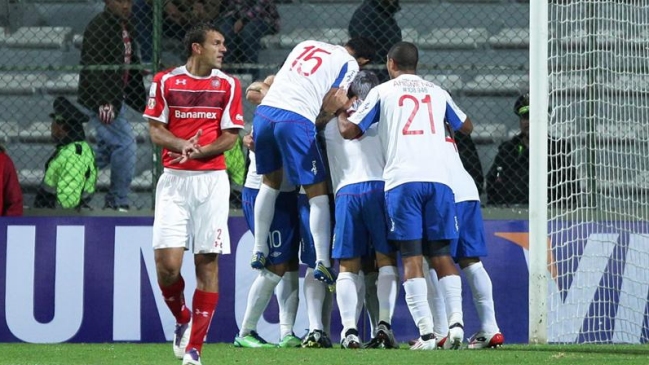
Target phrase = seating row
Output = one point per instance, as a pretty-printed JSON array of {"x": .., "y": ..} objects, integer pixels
[
  {"x": 14, "y": 83},
  {"x": 59, "y": 37},
  {"x": 438, "y": 38},
  {"x": 31, "y": 179},
  {"x": 40, "y": 132},
  {"x": 66, "y": 83},
  {"x": 481, "y": 84}
]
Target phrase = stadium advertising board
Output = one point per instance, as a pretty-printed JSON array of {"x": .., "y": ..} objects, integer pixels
[{"x": 92, "y": 279}]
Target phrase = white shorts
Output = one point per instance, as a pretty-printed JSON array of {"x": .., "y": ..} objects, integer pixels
[{"x": 191, "y": 211}]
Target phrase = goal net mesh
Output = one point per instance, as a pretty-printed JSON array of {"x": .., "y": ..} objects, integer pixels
[{"x": 598, "y": 168}]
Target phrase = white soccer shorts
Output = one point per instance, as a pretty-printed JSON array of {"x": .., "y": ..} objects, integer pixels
[{"x": 191, "y": 211}]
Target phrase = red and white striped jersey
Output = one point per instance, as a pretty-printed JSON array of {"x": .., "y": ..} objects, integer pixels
[{"x": 187, "y": 103}]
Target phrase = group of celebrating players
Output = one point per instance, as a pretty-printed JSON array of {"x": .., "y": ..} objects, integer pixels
[{"x": 391, "y": 164}]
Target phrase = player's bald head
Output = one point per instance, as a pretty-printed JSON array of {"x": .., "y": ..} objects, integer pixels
[{"x": 405, "y": 55}]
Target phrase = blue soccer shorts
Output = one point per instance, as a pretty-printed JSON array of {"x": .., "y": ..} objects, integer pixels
[
  {"x": 471, "y": 241},
  {"x": 283, "y": 239},
  {"x": 287, "y": 139},
  {"x": 360, "y": 221},
  {"x": 421, "y": 210}
]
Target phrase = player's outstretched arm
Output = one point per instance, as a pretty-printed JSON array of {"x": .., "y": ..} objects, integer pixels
[
  {"x": 467, "y": 126},
  {"x": 257, "y": 90},
  {"x": 334, "y": 100},
  {"x": 348, "y": 129}
]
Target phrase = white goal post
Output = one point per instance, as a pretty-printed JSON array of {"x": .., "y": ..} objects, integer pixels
[
  {"x": 589, "y": 230},
  {"x": 538, "y": 227}
]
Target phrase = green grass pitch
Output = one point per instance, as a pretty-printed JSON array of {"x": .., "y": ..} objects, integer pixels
[{"x": 224, "y": 354}]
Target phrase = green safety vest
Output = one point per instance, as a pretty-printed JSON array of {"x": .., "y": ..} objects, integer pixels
[{"x": 71, "y": 174}]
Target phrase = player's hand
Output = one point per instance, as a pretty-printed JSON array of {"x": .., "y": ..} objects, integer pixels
[
  {"x": 190, "y": 149},
  {"x": 337, "y": 101},
  {"x": 352, "y": 107},
  {"x": 269, "y": 80},
  {"x": 106, "y": 113},
  {"x": 248, "y": 142},
  {"x": 238, "y": 25}
]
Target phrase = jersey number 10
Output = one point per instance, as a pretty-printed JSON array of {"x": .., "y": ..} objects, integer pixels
[{"x": 309, "y": 57}]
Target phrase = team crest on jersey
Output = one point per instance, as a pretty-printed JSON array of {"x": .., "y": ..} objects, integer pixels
[
  {"x": 151, "y": 103},
  {"x": 216, "y": 83}
]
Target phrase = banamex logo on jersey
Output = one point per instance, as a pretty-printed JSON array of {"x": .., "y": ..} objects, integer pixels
[{"x": 195, "y": 115}]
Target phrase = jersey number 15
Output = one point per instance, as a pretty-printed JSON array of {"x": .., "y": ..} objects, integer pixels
[{"x": 308, "y": 58}]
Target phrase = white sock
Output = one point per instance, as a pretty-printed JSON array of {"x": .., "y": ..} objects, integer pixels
[
  {"x": 418, "y": 305},
  {"x": 482, "y": 291},
  {"x": 288, "y": 296},
  {"x": 314, "y": 292},
  {"x": 320, "y": 224},
  {"x": 437, "y": 304},
  {"x": 451, "y": 286},
  {"x": 260, "y": 293},
  {"x": 387, "y": 289},
  {"x": 264, "y": 213},
  {"x": 360, "y": 289},
  {"x": 347, "y": 299},
  {"x": 371, "y": 300}
]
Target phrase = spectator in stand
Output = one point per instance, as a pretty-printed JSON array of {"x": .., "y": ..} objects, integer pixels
[
  {"x": 70, "y": 173},
  {"x": 143, "y": 19},
  {"x": 243, "y": 24},
  {"x": 180, "y": 15},
  {"x": 177, "y": 17},
  {"x": 108, "y": 41},
  {"x": 508, "y": 177},
  {"x": 374, "y": 20},
  {"x": 11, "y": 197}
]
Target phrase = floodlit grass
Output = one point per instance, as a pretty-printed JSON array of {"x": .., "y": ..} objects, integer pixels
[{"x": 223, "y": 354}]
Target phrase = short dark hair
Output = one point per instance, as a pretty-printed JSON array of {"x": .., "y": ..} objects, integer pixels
[
  {"x": 405, "y": 55},
  {"x": 197, "y": 34},
  {"x": 362, "y": 47}
]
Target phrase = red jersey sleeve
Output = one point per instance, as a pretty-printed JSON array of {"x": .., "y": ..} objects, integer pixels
[
  {"x": 156, "y": 106},
  {"x": 233, "y": 113},
  {"x": 11, "y": 203}
]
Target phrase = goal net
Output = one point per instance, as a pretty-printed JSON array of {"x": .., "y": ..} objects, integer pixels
[{"x": 598, "y": 168}]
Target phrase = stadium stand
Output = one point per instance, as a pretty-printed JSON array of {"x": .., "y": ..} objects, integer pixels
[{"x": 482, "y": 62}]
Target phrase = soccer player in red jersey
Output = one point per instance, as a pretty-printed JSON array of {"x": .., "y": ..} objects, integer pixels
[{"x": 195, "y": 113}]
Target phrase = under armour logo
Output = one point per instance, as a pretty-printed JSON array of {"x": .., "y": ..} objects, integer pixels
[
  {"x": 314, "y": 169},
  {"x": 204, "y": 314},
  {"x": 181, "y": 82}
]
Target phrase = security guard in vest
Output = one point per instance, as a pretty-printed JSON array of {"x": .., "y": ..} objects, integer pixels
[{"x": 71, "y": 172}]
